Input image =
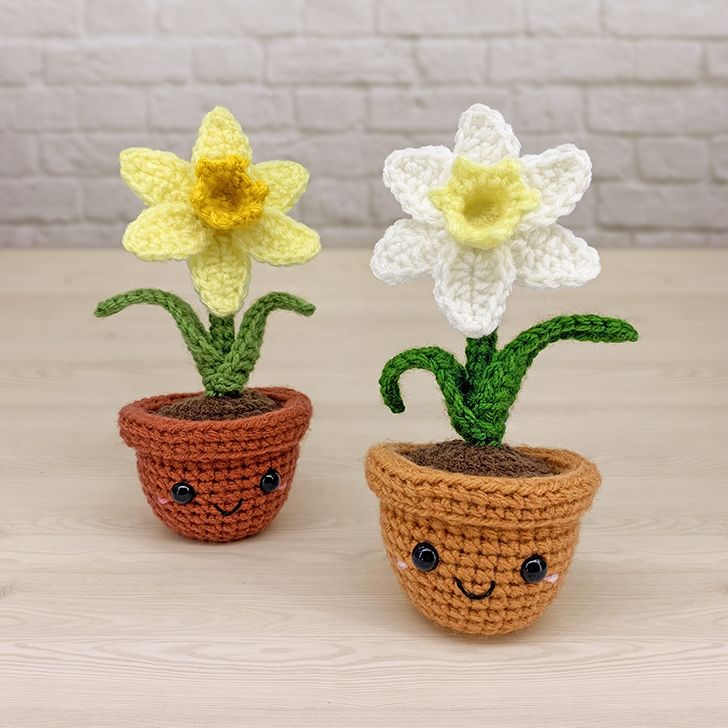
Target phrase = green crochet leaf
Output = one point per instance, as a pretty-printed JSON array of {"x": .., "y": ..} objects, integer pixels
[
  {"x": 233, "y": 373},
  {"x": 479, "y": 395},
  {"x": 198, "y": 341},
  {"x": 451, "y": 378},
  {"x": 222, "y": 332},
  {"x": 495, "y": 385},
  {"x": 224, "y": 359},
  {"x": 521, "y": 352}
]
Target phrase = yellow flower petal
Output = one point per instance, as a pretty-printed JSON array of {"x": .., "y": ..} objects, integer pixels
[
  {"x": 155, "y": 176},
  {"x": 286, "y": 182},
  {"x": 166, "y": 232},
  {"x": 279, "y": 240},
  {"x": 220, "y": 274},
  {"x": 219, "y": 136}
]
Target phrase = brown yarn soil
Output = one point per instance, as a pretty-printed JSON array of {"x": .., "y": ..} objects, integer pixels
[
  {"x": 199, "y": 407},
  {"x": 458, "y": 456}
]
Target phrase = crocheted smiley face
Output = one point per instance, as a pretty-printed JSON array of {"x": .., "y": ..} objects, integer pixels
[
  {"x": 482, "y": 581},
  {"x": 221, "y": 501},
  {"x": 216, "y": 480}
]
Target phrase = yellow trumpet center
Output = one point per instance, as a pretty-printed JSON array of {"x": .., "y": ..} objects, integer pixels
[
  {"x": 224, "y": 195},
  {"x": 482, "y": 205}
]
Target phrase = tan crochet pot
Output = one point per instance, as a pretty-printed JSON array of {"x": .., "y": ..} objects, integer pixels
[
  {"x": 217, "y": 480},
  {"x": 485, "y": 533}
]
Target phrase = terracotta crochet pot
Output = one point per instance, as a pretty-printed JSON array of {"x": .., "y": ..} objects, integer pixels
[
  {"x": 217, "y": 480},
  {"x": 483, "y": 555}
]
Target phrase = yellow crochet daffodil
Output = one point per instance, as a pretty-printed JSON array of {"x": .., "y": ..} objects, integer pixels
[{"x": 217, "y": 211}]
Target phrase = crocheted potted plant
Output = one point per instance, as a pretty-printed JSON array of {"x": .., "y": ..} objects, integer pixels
[
  {"x": 480, "y": 534},
  {"x": 217, "y": 465}
]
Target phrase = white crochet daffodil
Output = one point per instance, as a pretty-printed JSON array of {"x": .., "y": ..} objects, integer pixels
[
  {"x": 484, "y": 218},
  {"x": 217, "y": 211}
]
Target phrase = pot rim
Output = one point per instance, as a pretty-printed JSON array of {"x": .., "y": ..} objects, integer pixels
[
  {"x": 145, "y": 430},
  {"x": 483, "y": 500}
]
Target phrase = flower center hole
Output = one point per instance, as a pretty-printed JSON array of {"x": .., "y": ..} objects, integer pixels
[
  {"x": 483, "y": 207},
  {"x": 227, "y": 193},
  {"x": 225, "y": 196}
]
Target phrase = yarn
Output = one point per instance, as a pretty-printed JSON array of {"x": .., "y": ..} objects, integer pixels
[
  {"x": 224, "y": 195},
  {"x": 483, "y": 529},
  {"x": 248, "y": 403},
  {"x": 167, "y": 231},
  {"x": 409, "y": 174},
  {"x": 476, "y": 553},
  {"x": 450, "y": 377},
  {"x": 563, "y": 175},
  {"x": 492, "y": 224},
  {"x": 484, "y": 136},
  {"x": 223, "y": 461},
  {"x": 199, "y": 344},
  {"x": 156, "y": 177},
  {"x": 483, "y": 206},
  {"x": 472, "y": 286},
  {"x": 494, "y": 388},
  {"x": 458, "y": 456},
  {"x": 220, "y": 134},
  {"x": 221, "y": 274},
  {"x": 233, "y": 372},
  {"x": 223, "y": 359},
  {"x": 222, "y": 332},
  {"x": 479, "y": 396},
  {"x": 217, "y": 211},
  {"x": 286, "y": 182}
]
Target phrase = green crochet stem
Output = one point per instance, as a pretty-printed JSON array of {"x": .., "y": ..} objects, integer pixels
[
  {"x": 223, "y": 358},
  {"x": 233, "y": 373},
  {"x": 222, "y": 332},
  {"x": 479, "y": 395}
]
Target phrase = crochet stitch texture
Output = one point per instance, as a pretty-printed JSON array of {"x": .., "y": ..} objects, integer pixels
[
  {"x": 223, "y": 460},
  {"x": 483, "y": 206},
  {"x": 484, "y": 555},
  {"x": 223, "y": 358},
  {"x": 483, "y": 529},
  {"x": 479, "y": 395},
  {"x": 484, "y": 218},
  {"x": 217, "y": 211}
]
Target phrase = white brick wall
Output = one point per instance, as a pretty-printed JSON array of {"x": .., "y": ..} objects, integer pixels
[{"x": 337, "y": 84}]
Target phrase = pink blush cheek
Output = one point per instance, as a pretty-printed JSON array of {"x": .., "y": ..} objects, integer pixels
[{"x": 162, "y": 501}]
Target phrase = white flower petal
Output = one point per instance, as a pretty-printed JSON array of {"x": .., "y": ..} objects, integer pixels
[
  {"x": 410, "y": 174},
  {"x": 472, "y": 285},
  {"x": 562, "y": 175},
  {"x": 407, "y": 250},
  {"x": 553, "y": 257},
  {"x": 484, "y": 136}
]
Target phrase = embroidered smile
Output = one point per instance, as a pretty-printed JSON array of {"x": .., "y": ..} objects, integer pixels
[
  {"x": 234, "y": 509},
  {"x": 473, "y": 595}
]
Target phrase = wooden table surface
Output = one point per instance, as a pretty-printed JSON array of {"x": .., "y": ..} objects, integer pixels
[{"x": 109, "y": 619}]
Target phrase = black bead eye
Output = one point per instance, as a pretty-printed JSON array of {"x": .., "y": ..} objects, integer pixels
[
  {"x": 270, "y": 481},
  {"x": 534, "y": 569},
  {"x": 182, "y": 492},
  {"x": 425, "y": 556}
]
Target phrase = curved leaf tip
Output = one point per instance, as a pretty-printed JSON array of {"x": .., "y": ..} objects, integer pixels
[
  {"x": 630, "y": 332},
  {"x": 105, "y": 308}
]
